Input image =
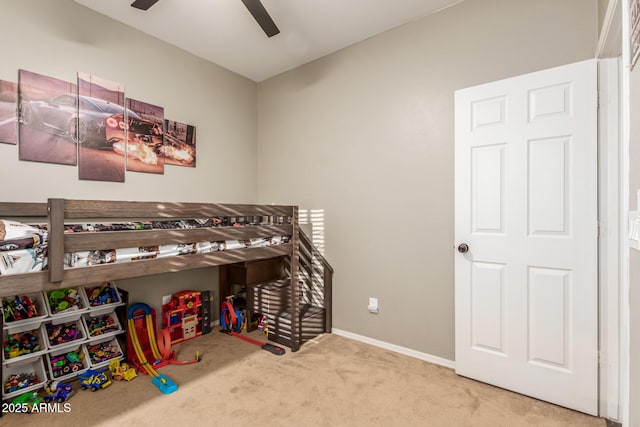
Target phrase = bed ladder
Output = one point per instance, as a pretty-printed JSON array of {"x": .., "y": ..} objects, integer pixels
[{"x": 315, "y": 280}]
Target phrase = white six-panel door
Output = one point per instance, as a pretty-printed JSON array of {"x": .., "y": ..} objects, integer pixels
[{"x": 526, "y": 205}]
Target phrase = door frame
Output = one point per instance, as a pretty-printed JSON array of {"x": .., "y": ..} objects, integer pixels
[
  {"x": 609, "y": 180},
  {"x": 612, "y": 51}
]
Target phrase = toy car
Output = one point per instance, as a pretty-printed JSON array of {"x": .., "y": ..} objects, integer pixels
[
  {"x": 122, "y": 371},
  {"x": 94, "y": 380},
  {"x": 55, "y": 391},
  {"x": 27, "y": 401}
]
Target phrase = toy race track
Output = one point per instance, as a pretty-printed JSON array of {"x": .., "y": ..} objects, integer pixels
[
  {"x": 231, "y": 324},
  {"x": 164, "y": 384}
]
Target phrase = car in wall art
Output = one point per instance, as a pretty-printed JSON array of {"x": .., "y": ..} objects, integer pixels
[
  {"x": 144, "y": 138},
  {"x": 80, "y": 119}
]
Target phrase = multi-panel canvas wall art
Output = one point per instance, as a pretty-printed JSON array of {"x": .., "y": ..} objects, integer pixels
[
  {"x": 91, "y": 124},
  {"x": 101, "y": 129},
  {"x": 8, "y": 115},
  {"x": 48, "y": 130},
  {"x": 145, "y": 144},
  {"x": 179, "y": 144}
]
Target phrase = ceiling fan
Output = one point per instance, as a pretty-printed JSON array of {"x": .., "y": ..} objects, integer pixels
[{"x": 255, "y": 7}]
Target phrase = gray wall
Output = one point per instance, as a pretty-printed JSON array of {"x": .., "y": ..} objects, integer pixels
[
  {"x": 365, "y": 135},
  {"x": 602, "y": 11},
  {"x": 59, "y": 38}
]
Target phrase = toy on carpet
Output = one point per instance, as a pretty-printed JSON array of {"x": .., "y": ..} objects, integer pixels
[
  {"x": 164, "y": 384},
  {"x": 122, "y": 371},
  {"x": 168, "y": 355},
  {"x": 56, "y": 391},
  {"x": 181, "y": 316},
  {"x": 94, "y": 379},
  {"x": 27, "y": 401},
  {"x": 231, "y": 324}
]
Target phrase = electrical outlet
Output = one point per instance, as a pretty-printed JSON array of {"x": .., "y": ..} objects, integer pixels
[{"x": 373, "y": 305}]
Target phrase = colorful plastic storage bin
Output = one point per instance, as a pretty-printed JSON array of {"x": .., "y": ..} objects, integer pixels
[
  {"x": 68, "y": 362},
  {"x": 64, "y": 334},
  {"x": 22, "y": 377},
  {"x": 66, "y": 303},
  {"x": 22, "y": 344},
  {"x": 101, "y": 326},
  {"x": 23, "y": 309},
  {"x": 102, "y": 352}
]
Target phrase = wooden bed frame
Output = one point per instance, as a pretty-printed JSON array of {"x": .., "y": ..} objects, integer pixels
[
  {"x": 311, "y": 278},
  {"x": 58, "y": 212}
]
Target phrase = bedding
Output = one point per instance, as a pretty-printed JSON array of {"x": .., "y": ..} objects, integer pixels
[
  {"x": 23, "y": 247},
  {"x": 87, "y": 258}
]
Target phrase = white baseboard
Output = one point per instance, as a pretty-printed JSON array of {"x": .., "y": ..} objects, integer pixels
[{"x": 396, "y": 348}]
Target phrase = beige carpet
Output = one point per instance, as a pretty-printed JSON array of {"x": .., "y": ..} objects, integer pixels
[{"x": 332, "y": 381}]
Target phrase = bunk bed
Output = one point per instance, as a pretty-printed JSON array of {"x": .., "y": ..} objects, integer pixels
[{"x": 241, "y": 223}]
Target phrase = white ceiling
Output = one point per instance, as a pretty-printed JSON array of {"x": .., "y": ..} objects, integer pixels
[{"x": 223, "y": 31}]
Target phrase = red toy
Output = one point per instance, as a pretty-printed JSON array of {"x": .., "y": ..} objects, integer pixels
[
  {"x": 165, "y": 355},
  {"x": 140, "y": 324},
  {"x": 182, "y": 317}
]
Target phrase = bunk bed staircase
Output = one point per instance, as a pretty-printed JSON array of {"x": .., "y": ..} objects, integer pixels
[{"x": 274, "y": 299}]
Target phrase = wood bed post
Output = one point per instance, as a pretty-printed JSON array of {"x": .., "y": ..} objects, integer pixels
[
  {"x": 328, "y": 297},
  {"x": 296, "y": 338},
  {"x": 55, "y": 226}
]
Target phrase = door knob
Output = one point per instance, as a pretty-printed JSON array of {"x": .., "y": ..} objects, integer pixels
[{"x": 463, "y": 247}]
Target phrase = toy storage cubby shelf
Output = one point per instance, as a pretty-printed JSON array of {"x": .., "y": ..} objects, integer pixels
[
  {"x": 102, "y": 324},
  {"x": 27, "y": 364},
  {"x": 88, "y": 325}
]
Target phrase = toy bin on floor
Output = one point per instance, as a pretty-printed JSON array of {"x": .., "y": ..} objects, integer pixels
[
  {"x": 22, "y": 343},
  {"x": 103, "y": 351},
  {"x": 66, "y": 304},
  {"x": 66, "y": 363},
  {"x": 101, "y": 326},
  {"x": 24, "y": 376},
  {"x": 23, "y": 309},
  {"x": 64, "y": 334},
  {"x": 101, "y": 298}
]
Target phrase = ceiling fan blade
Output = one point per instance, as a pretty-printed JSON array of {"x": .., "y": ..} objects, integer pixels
[
  {"x": 143, "y": 4},
  {"x": 262, "y": 17}
]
